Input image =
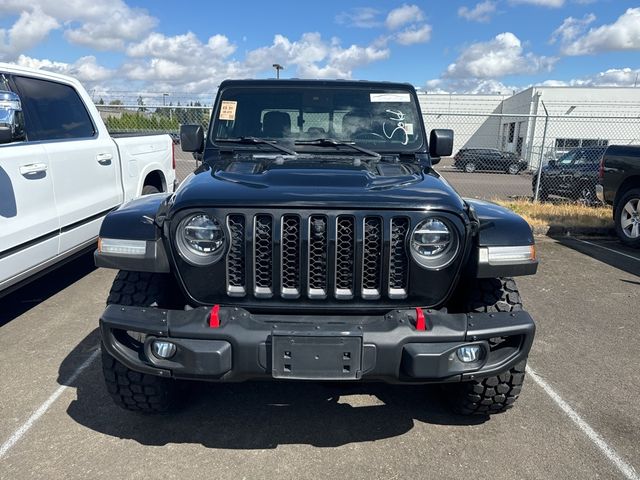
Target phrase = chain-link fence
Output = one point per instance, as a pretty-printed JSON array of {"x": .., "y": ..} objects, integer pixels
[
  {"x": 503, "y": 156},
  {"x": 495, "y": 156}
]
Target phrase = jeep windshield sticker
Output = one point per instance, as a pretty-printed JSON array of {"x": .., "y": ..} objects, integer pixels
[
  {"x": 409, "y": 128},
  {"x": 389, "y": 97},
  {"x": 228, "y": 110},
  {"x": 397, "y": 126}
]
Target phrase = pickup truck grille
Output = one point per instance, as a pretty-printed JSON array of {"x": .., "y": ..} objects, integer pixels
[{"x": 317, "y": 256}]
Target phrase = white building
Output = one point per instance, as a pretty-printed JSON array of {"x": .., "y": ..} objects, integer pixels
[{"x": 578, "y": 116}]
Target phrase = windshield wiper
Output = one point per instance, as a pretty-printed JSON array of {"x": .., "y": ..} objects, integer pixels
[
  {"x": 256, "y": 141},
  {"x": 332, "y": 142}
]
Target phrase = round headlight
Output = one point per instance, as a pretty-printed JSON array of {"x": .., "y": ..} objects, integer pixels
[
  {"x": 200, "y": 239},
  {"x": 433, "y": 243}
]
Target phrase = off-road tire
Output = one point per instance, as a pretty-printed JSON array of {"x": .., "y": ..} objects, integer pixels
[
  {"x": 129, "y": 389},
  {"x": 488, "y": 395},
  {"x": 149, "y": 189},
  {"x": 625, "y": 197},
  {"x": 498, "y": 393},
  {"x": 137, "y": 391}
]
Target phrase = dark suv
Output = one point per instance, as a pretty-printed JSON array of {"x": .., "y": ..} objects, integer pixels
[
  {"x": 489, "y": 159},
  {"x": 315, "y": 243},
  {"x": 573, "y": 175}
]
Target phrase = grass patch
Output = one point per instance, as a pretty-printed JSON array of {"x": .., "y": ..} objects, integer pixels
[{"x": 542, "y": 216}]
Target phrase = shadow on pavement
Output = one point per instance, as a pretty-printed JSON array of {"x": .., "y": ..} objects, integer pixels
[
  {"x": 259, "y": 415},
  {"x": 36, "y": 291},
  {"x": 627, "y": 259}
]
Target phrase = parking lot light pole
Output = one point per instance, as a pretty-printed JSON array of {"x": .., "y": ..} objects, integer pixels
[
  {"x": 164, "y": 98},
  {"x": 278, "y": 67}
]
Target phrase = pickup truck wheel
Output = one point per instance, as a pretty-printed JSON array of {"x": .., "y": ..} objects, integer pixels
[
  {"x": 149, "y": 189},
  {"x": 627, "y": 217},
  {"x": 514, "y": 169},
  {"x": 492, "y": 394},
  {"x": 129, "y": 389}
]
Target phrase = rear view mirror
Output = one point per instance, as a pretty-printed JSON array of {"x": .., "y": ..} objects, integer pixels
[
  {"x": 191, "y": 138},
  {"x": 440, "y": 144},
  {"x": 11, "y": 118}
]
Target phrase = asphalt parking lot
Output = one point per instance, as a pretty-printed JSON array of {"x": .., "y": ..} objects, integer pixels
[{"x": 578, "y": 416}]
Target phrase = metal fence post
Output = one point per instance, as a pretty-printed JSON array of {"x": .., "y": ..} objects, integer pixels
[{"x": 544, "y": 138}]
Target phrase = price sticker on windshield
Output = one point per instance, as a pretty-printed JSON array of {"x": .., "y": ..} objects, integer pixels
[{"x": 228, "y": 110}]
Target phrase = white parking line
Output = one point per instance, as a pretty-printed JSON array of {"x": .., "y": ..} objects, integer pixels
[
  {"x": 626, "y": 469},
  {"x": 19, "y": 433},
  {"x": 608, "y": 249}
]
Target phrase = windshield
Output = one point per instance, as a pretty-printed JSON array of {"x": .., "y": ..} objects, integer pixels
[{"x": 377, "y": 119}]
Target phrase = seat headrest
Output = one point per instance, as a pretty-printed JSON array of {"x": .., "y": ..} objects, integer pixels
[{"x": 276, "y": 124}]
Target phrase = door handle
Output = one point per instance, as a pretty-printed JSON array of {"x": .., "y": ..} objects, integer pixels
[
  {"x": 32, "y": 169},
  {"x": 104, "y": 158}
]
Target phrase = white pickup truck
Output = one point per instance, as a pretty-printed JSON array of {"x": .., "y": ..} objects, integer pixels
[{"x": 61, "y": 172}]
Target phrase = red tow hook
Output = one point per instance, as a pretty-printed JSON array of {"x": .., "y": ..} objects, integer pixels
[
  {"x": 214, "y": 317},
  {"x": 421, "y": 323}
]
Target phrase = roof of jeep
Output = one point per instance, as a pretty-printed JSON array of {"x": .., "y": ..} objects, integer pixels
[{"x": 297, "y": 82}]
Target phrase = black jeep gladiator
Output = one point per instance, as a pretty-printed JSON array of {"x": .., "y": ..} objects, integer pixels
[{"x": 315, "y": 242}]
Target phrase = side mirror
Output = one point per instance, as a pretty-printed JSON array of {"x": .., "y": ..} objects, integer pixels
[
  {"x": 440, "y": 144},
  {"x": 11, "y": 118},
  {"x": 552, "y": 163},
  {"x": 191, "y": 138}
]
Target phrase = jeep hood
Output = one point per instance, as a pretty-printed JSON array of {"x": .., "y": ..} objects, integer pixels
[{"x": 318, "y": 183}]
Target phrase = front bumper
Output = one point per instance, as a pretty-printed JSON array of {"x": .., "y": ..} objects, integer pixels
[{"x": 314, "y": 347}]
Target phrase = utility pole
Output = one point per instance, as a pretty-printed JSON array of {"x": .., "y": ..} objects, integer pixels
[{"x": 278, "y": 67}]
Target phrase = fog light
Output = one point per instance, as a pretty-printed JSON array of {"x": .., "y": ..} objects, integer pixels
[
  {"x": 163, "y": 349},
  {"x": 469, "y": 353}
]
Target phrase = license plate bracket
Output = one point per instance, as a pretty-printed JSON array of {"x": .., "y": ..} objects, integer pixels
[{"x": 303, "y": 357}]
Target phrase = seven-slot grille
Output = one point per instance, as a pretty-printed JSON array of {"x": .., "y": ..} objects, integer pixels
[{"x": 317, "y": 256}]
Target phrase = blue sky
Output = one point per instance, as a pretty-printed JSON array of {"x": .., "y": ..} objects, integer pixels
[{"x": 481, "y": 46}]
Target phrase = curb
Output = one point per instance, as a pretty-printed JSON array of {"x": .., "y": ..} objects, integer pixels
[{"x": 557, "y": 230}]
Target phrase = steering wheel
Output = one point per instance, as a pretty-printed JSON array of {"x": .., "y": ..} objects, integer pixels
[{"x": 365, "y": 135}]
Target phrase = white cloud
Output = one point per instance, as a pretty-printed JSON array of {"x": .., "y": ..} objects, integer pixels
[
  {"x": 363, "y": 17},
  {"x": 85, "y": 69},
  {"x": 468, "y": 85},
  {"x": 480, "y": 13},
  {"x": 414, "y": 34},
  {"x": 404, "y": 15},
  {"x": 613, "y": 77},
  {"x": 184, "y": 62},
  {"x": 542, "y": 3},
  {"x": 623, "y": 34},
  {"x": 503, "y": 55},
  {"x": 31, "y": 27},
  {"x": 181, "y": 48},
  {"x": 571, "y": 28},
  {"x": 99, "y": 25}
]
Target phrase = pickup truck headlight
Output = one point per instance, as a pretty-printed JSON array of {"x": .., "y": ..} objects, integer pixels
[
  {"x": 433, "y": 243},
  {"x": 200, "y": 239}
]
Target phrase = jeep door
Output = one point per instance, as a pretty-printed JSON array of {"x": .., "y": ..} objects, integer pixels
[{"x": 84, "y": 162}]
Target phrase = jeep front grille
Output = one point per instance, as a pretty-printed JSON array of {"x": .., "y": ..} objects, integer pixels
[{"x": 318, "y": 256}]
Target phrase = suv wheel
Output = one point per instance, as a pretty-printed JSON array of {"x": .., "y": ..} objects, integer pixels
[
  {"x": 514, "y": 169},
  {"x": 627, "y": 217},
  {"x": 129, "y": 389},
  {"x": 470, "y": 167},
  {"x": 497, "y": 393}
]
